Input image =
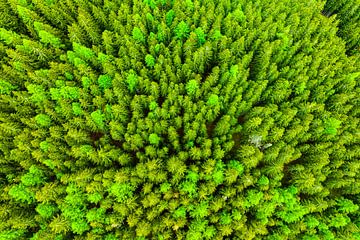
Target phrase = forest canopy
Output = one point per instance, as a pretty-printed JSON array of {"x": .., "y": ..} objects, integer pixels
[{"x": 169, "y": 119}]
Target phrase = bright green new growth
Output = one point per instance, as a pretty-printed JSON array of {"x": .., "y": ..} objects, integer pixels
[
  {"x": 83, "y": 52},
  {"x": 213, "y": 100},
  {"x": 43, "y": 120},
  {"x": 225, "y": 218},
  {"x": 6, "y": 87},
  {"x": 131, "y": 81},
  {"x": 154, "y": 139},
  {"x": 98, "y": 118},
  {"x": 149, "y": 60},
  {"x": 105, "y": 81},
  {"x": 76, "y": 107},
  {"x": 46, "y": 210},
  {"x": 331, "y": 126},
  {"x": 201, "y": 36},
  {"x": 22, "y": 194},
  {"x": 263, "y": 181},
  {"x": 200, "y": 211},
  {"x": 69, "y": 92},
  {"x": 94, "y": 197},
  {"x": 153, "y": 105},
  {"x": 49, "y": 38},
  {"x": 170, "y": 15},
  {"x": 121, "y": 191},
  {"x": 180, "y": 212},
  {"x": 85, "y": 82},
  {"x": 44, "y": 145},
  {"x": 34, "y": 177},
  {"x": 182, "y": 30},
  {"x": 191, "y": 87},
  {"x": 138, "y": 35},
  {"x": 38, "y": 93},
  {"x": 237, "y": 166},
  {"x": 165, "y": 187}
]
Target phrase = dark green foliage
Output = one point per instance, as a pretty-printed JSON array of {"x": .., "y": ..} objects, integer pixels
[
  {"x": 348, "y": 14},
  {"x": 167, "y": 119}
]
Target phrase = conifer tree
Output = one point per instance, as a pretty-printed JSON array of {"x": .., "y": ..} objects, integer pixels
[{"x": 168, "y": 119}]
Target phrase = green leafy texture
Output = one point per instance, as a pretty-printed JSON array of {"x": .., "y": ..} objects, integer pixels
[
  {"x": 69, "y": 76},
  {"x": 169, "y": 17},
  {"x": 6, "y": 87},
  {"x": 94, "y": 197},
  {"x": 189, "y": 188},
  {"x": 263, "y": 181},
  {"x": 253, "y": 198},
  {"x": 38, "y": 93},
  {"x": 96, "y": 214},
  {"x": 339, "y": 220},
  {"x": 192, "y": 176},
  {"x": 43, "y": 120},
  {"x": 150, "y": 3},
  {"x": 121, "y": 191},
  {"x": 46, "y": 210},
  {"x": 311, "y": 222},
  {"x": 234, "y": 69},
  {"x": 105, "y": 81},
  {"x": 34, "y": 177},
  {"x": 153, "y": 105},
  {"x": 103, "y": 58},
  {"x": 80, "y": 226},
  {"x": 138, "y": 35},
  {"x": 44, "y": 145},
  {"x": 157, "y": 48},
  {"x": 191, "y": 87},
  {"x": 165, "y": 187},
  {"x": 49, "y": 38},
  {"x": 22, "y": 194},
  {"x": 331, "y": 126},
  {"x": 209, "y": 232},
  {"x": 85, "y": 82},
  {"x": 180, "y": 212},
  {"x": 12, "y": 234},
  {"x": 98, "y": 118},
  {"x": 182, "y": 30},
  {"x": 83, "y": 52},
  {"x": 71, "y": 93},
  {"x": 201, "y": 36},
  {"x": 213, "y": 100},
  {"x": 132, "y": 80},
  {"x": 154, "y": 139},
  {"x": 347, "y": 206},
  {"x": 76, "y": 107},
  {"x": 225, "y": 218},
  {"x": 150, "y": 60},
  {"x": 9, "y": 37},
  {"x": 348, "y": 15},
  {"x": 253, "y": 150},
  {"x": 200, "y": 211},
  {"x": 236, "y": 165},
  {"x": 49, "y": 163},
  {"x": 216, "y": 35}
]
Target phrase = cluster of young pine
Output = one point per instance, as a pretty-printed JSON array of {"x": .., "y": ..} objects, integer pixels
[{"x": 169, "y": 119}]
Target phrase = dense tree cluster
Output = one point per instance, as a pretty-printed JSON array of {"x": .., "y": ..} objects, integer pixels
[
  {"x": 168, "y": 119},
  {"x": 349, "y": 21}
]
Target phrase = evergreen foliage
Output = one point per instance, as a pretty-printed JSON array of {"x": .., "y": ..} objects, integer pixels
[{"x": 168, "y": 119}]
